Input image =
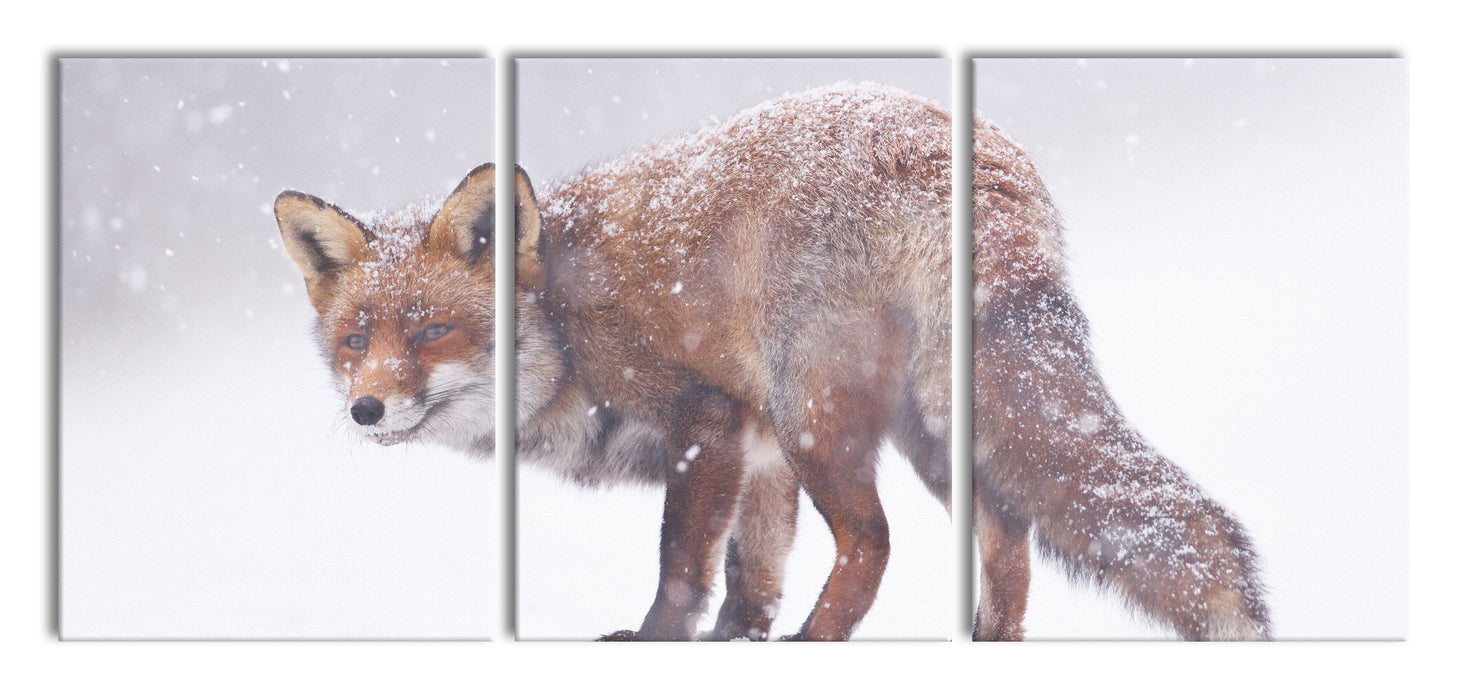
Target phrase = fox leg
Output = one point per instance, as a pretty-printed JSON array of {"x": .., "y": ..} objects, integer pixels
[
  {"x": 831, "y": 417},
  {"x": 759, "y": 542},
  {"x": 845, "y": 494},
  {"x": 1004, "y": 554},
  {"x": 704, "y": 479}
]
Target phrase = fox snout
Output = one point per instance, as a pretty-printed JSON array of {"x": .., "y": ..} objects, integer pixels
[{"x": 367, "y": 410}]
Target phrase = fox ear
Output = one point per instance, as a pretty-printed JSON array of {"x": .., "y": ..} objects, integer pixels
[
  {"x": 320, "y": 238},
  {"x": 465, "y": 224},
  {"x": 528, "y": 272}
]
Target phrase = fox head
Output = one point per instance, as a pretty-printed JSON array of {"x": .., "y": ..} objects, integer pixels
[{"x": 406, "y": 314}]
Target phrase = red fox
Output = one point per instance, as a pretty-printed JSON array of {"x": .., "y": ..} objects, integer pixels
[{"x": 753, "y": 310}]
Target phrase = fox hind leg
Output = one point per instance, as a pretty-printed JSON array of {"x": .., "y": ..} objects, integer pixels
[
  {"x": 830, "y": 418},
  {"x": 1004, "y": 577},
  {"x": 845, "y": 494}
]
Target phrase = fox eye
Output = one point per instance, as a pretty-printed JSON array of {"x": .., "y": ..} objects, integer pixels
[
  {"x": 435, "y": 331},
  {"x": 357, "y": 341}
]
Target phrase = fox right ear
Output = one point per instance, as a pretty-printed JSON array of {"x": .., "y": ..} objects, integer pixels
[
  {"x": 320, "y": 238},
  {"x": 528, "y": 271},
  {"x": 465, "y": 223}
]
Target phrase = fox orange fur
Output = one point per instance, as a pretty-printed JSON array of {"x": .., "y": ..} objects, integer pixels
[{"x": 753, "y": 310}]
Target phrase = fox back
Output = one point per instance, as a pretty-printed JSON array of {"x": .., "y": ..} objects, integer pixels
[{"x": 814, "y": 229}]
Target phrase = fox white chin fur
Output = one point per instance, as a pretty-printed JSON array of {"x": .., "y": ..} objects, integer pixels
[{"x": 464, "y": 422}]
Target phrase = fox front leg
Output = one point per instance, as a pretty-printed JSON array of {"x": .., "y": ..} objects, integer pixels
[
  {"x": 704, "y": 480},
  {"x": 759, "y": 541}
]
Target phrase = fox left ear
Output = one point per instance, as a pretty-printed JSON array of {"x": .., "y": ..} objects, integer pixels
[
  {"x": 321, "y": 239},
  {"x": 465, "y": 224}
]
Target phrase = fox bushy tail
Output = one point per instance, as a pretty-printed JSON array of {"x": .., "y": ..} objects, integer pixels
[{"x": 1053, "y": 454}]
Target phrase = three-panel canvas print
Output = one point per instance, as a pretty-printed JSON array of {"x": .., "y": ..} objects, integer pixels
[{"x": 748, "y": 349}]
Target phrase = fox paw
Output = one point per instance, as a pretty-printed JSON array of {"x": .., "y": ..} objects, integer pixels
[{"x": 619, "y": 636}]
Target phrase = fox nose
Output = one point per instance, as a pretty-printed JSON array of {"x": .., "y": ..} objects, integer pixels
[{"x": 367, "y": 410}]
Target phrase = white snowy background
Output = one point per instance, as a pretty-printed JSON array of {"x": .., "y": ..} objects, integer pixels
[
  {"x": 206, "y": 489},
  {"x": 1237, "y": 235},
  {"x": 587, "y": 559}
]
